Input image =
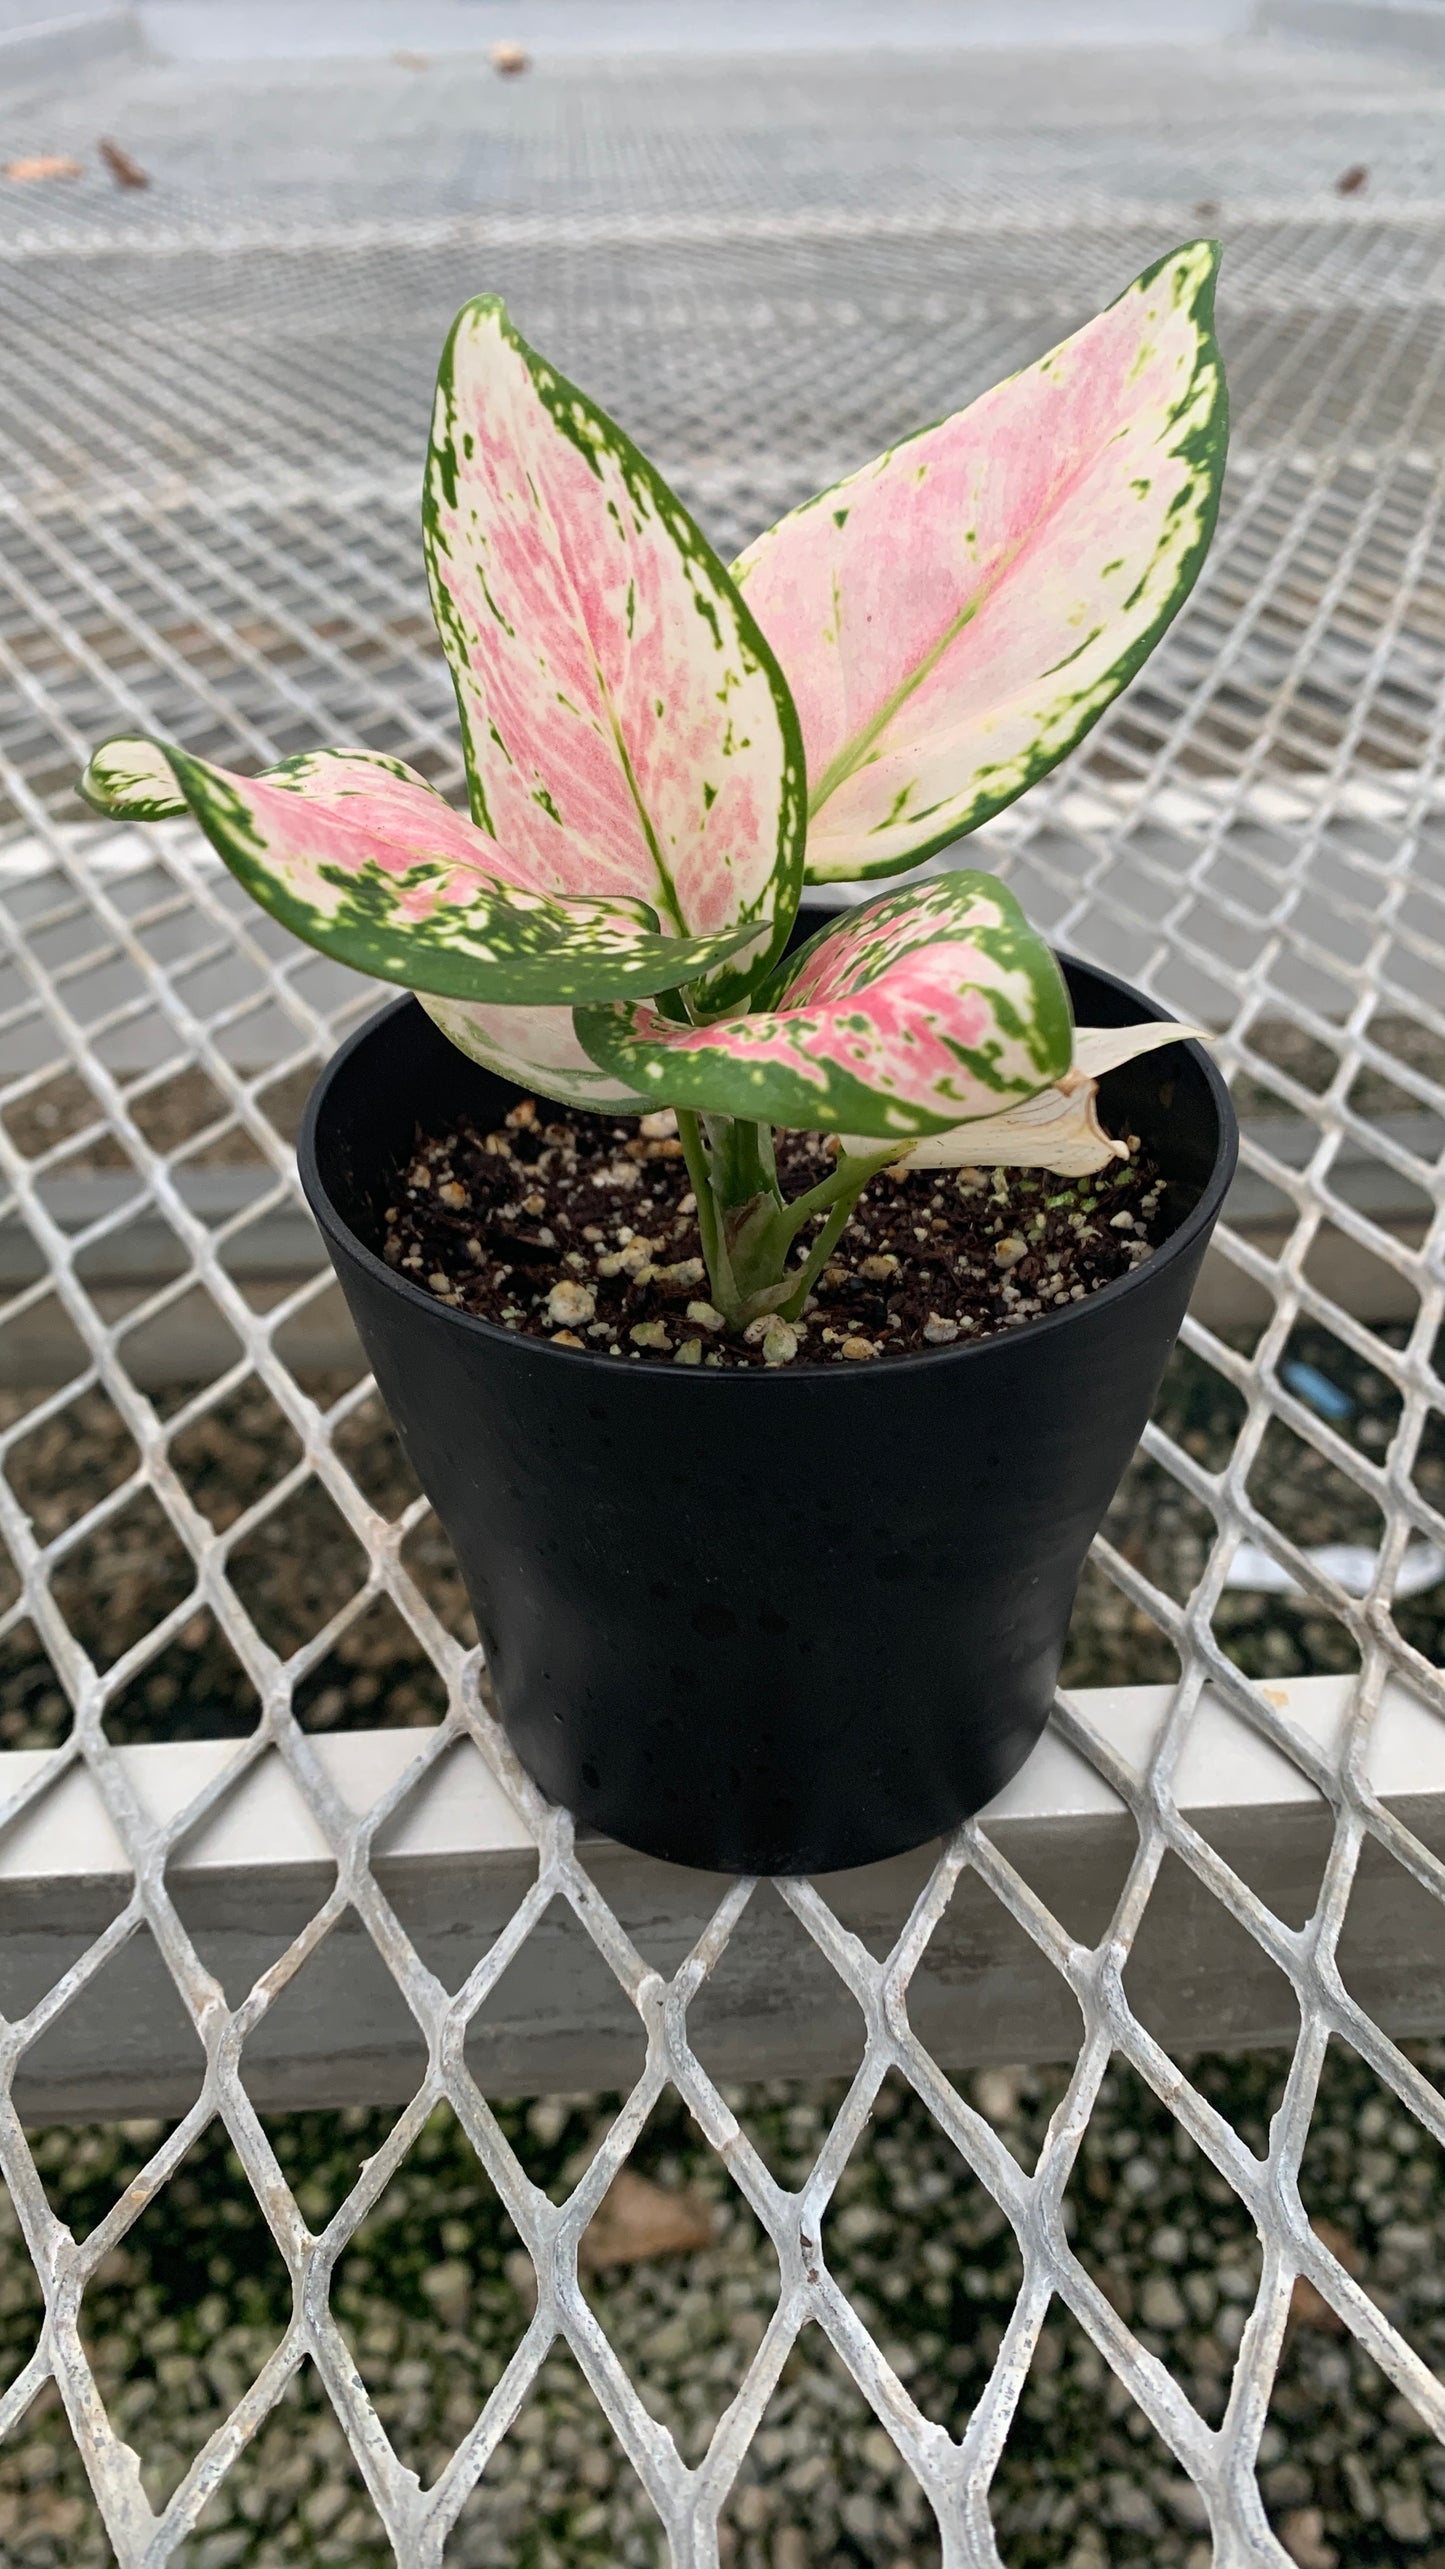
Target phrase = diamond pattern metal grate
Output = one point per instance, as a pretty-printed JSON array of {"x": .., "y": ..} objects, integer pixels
[{"x": 213, "y": 531}]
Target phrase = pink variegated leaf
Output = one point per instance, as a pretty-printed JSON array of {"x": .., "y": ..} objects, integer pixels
[
  {"x": 627, "y": 729},
  {"x": 910, "y": 1014},
  {"x": 359, "y": 856},
  {"x": 954, "y": 617}
]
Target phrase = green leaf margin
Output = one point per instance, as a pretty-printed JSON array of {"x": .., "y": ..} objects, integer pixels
[
  {"x": 723, "y": 991},
  {"x": 769, "y": 1092},
  {"x": 353, "y": 933},
  {"x": 1206, "y": 448}
]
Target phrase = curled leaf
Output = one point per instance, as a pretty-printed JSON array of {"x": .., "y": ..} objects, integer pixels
[
  {"x": 905, "y": 1015},
  {"x": 955, "y": 616},
  {"x": 362, "y": 858},
  {"x": 133, "y": 779},
  {"x": 1060, "y": 1128}
]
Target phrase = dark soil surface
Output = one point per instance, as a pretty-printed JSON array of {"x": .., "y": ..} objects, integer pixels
[{"x": 584, "y": 1231}]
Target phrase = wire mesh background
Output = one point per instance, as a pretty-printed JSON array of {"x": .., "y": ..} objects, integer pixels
[{"x": 210, "y": 425}]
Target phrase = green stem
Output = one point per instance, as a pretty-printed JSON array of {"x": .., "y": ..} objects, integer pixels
[
  {"x": 817, "y": 1258},
  {"x": 746, "y": 1229},
  {"x": 742, "y": 1161},
  {"x": 699, "y": 1169},
  {"x": 847, "y": 1182},
  {"x": 840, "y": 1191}
]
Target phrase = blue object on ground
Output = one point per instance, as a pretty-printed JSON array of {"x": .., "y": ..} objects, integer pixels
[{"x": 1316, "y": 1388}]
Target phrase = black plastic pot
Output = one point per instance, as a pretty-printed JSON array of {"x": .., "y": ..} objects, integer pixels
[{"x": 769, "y": 1622}]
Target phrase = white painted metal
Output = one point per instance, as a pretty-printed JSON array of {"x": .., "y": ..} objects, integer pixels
[
  {"x": 458, "y": 1858},
  {"x": 205, "y": 525}
]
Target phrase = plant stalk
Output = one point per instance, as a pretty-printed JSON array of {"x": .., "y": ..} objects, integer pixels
[
  {"x": 699, "y": 1169},
  {"x": 747, "y": 1229},
  {"x": 817, "y": 1258}
]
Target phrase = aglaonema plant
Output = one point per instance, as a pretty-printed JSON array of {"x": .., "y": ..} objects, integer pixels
[{"x": 660, "y": 752}]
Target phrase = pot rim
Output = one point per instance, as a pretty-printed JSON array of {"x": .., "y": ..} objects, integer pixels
[{"x": 1200, "y": 1218}]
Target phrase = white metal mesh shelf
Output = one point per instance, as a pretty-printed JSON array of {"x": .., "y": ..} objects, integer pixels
[{"x": 208, "y": 452}]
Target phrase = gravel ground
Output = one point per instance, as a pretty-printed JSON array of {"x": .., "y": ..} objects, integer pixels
[
  {"x": 432, "y": 2297},
  {"x": 1167, "y": 1535}
]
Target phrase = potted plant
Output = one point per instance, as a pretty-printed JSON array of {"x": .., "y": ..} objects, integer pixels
[{"x": 771, "y": 1482}]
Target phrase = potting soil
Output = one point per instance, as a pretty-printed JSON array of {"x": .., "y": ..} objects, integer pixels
[{"x": 583, "y": 1230}]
